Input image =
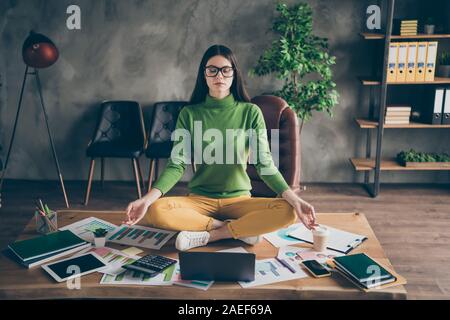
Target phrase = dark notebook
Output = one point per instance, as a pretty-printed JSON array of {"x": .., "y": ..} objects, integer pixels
[
  {"x": 47, "y": 245},
  {"x": 363, "y": 269}
]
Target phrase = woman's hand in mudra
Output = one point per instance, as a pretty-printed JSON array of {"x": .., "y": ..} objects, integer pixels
[
  {"x": 137, "y": 209},
  {"x": 305, "y": 211}
]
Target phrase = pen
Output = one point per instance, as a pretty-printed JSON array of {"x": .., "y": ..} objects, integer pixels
[
  {"x": 354, "y": 244},
  {"x": 40, "y": 205},
  {"x": 285, "y": 264}
]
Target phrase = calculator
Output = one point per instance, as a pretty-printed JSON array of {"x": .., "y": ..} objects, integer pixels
[{"x": 150, "y": 264}]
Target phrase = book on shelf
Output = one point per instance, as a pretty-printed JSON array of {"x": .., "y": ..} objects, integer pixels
[
  {"x": 400, "y": 26},
  {"x": 393, "y": 111},
  {"x": 397, "y": 121},
  {"x": 415, "y": 21},
  {"x": 399, "y": 107},
  {"x": 396, "y": 117},
  {"x": 398, "y": 114}
]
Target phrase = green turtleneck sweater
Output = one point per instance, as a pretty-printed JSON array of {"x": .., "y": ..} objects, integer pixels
[{"x": 216, "y": 177}]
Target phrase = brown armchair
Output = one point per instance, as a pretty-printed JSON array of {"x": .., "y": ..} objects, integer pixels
[{"x": 278, "y": 115}]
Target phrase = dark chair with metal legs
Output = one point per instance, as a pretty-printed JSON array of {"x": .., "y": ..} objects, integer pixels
[
  {"x": 120, "y": 133},
  {"x": 164, "y": 119}
]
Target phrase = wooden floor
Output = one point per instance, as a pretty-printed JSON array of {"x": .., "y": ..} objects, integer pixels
[{"x": 412, "y": 222}]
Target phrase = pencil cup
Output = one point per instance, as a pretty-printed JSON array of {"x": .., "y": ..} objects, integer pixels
[{"x": 46, "y": 224}]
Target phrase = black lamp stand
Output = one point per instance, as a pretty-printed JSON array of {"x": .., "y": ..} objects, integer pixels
[{"x": 55, "y": 158}]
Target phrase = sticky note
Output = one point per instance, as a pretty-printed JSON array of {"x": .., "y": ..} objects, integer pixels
[{"x": 132, "y": 251}]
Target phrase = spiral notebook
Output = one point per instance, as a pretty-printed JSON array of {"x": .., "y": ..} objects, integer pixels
[{"x": 339, "y": 240}]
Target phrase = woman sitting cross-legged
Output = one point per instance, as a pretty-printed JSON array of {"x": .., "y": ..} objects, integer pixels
[{"x": 219, "y": 204}]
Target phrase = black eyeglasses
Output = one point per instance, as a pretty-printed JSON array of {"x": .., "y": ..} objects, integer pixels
[{"x": 212, "y": 71}]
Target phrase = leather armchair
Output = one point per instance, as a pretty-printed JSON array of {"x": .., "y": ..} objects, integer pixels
[{"x": 278, "y": 115}]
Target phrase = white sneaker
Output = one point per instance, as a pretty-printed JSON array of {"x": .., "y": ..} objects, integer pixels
[
  {"x": 251, "y": 240},
  {"x": 190, "y": 239}
]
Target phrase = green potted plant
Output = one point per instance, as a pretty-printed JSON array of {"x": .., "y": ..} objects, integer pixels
[
  {"x": 429, "y": 26},
  {"x": 414, "y": 158},
  {"x": 302, "y": 61},
  {"x": 100, "y": 237},
  {"x": 443, "y": 69}
]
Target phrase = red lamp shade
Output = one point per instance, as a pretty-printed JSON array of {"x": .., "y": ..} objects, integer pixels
[{"x": 38, "y": 51}]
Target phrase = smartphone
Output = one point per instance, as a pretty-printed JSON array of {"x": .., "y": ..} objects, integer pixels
[{"x": 316, "y": 268}]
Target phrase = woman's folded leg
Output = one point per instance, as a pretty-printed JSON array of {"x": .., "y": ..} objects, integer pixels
[
  {"x": 181, "y": 213},
  {"x": 257, "y": 216}
]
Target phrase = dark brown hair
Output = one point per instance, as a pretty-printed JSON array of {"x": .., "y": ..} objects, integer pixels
[{"x": 201, "y": 88}]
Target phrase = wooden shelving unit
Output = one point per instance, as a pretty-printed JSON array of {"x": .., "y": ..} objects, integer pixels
[
  {"x": 362, "y": 164},
  {"x": 374, "y": 162},
  {"x": 372, "y": 82},
  {"x": 371, "y": 124},
  {"x": 380, "y": 36}
]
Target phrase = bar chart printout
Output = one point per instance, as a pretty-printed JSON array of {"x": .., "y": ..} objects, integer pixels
[
  {"x": 271, "y": 271},
  {"x": 140, "y": 236},
  {"x": 86, "y": 227},
  {"x": 165, "y": 278}
]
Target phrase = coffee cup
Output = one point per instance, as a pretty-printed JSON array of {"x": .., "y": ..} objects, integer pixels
[{"x": 320, "y": 238}]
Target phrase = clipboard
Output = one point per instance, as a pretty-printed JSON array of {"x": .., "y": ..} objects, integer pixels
[
  {"x": 399, "y": 279},
  {"x": 339, "y": 240}
]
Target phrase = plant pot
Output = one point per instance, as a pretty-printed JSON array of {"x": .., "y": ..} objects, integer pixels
[
  {"x": 443, "y": 71},
  {"x": 100, "y": 242},
  {"x": 428, "y": 29},
  {"x": 436, "y": 165}
]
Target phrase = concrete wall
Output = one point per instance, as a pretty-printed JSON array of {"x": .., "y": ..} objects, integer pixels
[{"x": 149, "y": 51}]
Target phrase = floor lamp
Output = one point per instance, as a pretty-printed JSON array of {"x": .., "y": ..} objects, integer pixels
[{"x": 38, "y": 52}]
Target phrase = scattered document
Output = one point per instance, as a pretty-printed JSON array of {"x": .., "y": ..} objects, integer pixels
[
  {"x": 235, "y": 250},
  {"x": 132, "y": 251},
  {"x": 280, "y": 238},
  {"x": 140, "y": 236},
  {"x": 116, "y": 259},
  {"x": 270, "y": 271},
  {"x": 339, "y": 240},
  {"x": 165, "y": 278},
  {"x": 295, "y": 255},
  {"x": 86, "y": 227},
  {"x": 197, "y": 284}
]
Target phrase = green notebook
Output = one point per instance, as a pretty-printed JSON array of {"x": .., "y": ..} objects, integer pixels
[
  {"x": 49, "y": 244},
  {"x": 362, "y": 268}
]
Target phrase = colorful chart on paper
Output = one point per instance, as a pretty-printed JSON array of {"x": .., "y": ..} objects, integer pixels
[
  {"x": 85, "y": 228},
  {"x": 165, "y": 278},
  {"x": 280, "y": 238},
  {"x": 139, "y": 236},
  {"x": 270, "y": 271}
]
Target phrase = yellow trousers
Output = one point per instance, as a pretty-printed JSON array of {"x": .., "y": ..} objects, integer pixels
[{"x": 251, "y": 216}]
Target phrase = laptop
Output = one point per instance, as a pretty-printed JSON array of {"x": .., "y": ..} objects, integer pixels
[{"x": 219, "y": 266}]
